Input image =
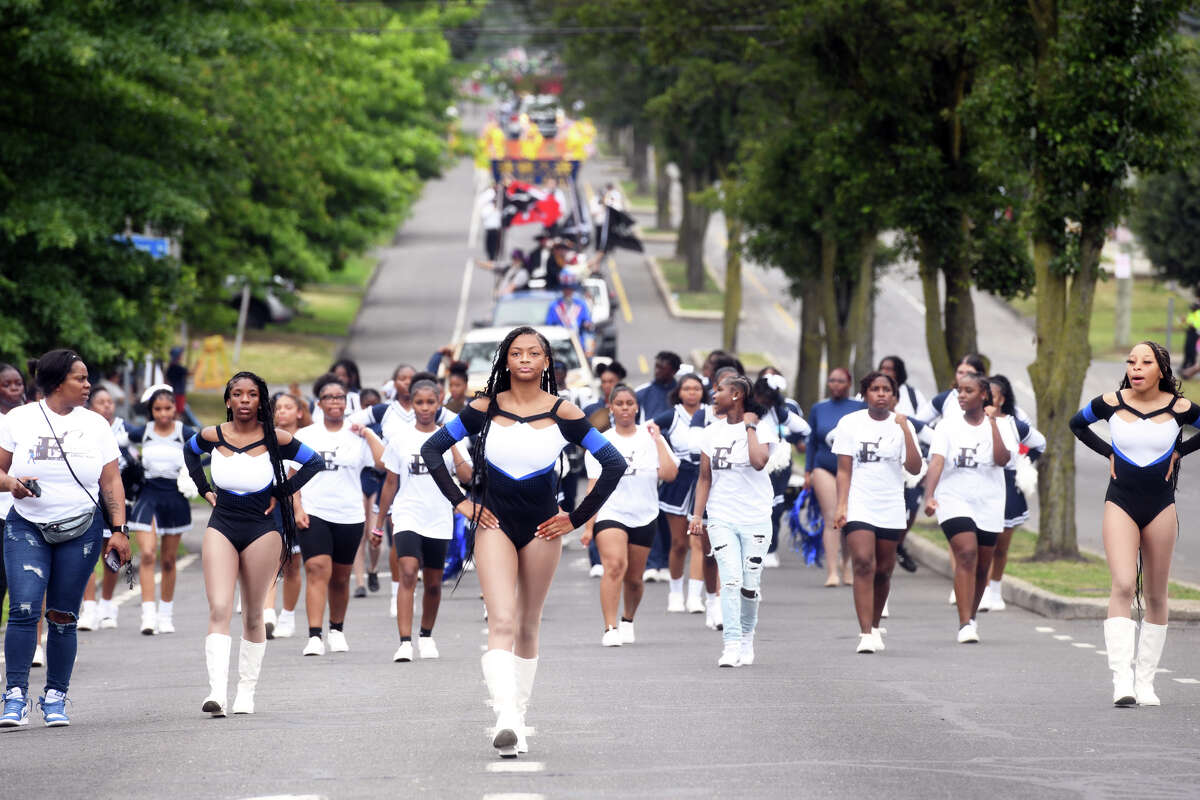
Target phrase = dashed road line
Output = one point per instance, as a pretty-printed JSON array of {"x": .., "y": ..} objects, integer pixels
[
  {"x": 626, "y": 309},
  {"x": 1044, "y": 629},
  {"x": 787, "y": 318},
  {"x": 1062, "y": 637},
  {"x": 1185, "y": 680},
  {"x": 514, "y": 796},
  {"x": 464, "y": 294},
  {"x": 643, "y": 364},
  {"x": 755, "y": 282},
  {"x": 516, "y": 766},
  {"x": 1084, "y": 645}
]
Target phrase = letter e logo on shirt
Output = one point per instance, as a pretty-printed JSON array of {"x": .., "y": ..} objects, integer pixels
[
  {"x": 966, "y": 458},
  {"x": 869, "y": 451},
  {"x": 720, "y": 457}
]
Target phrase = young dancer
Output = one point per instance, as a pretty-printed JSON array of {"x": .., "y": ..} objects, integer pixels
[
  {"x": 291, "y": 414},
  {"x": 874, "y": 448},
  {"x": 910, "y": 400},
  {"x": 329, "y": 514},
  {"x": 735, "y": 490},
  {"x": 521, "y": 427},
  {"x": 161, "y": 509},
  {"x": 965, "y": 488},
  {"x": 1145, "y": 419},
  {"x": 625, "y": 525},
  {"x": 421, "y": 517},
  {"x": 245, "y": 539}
]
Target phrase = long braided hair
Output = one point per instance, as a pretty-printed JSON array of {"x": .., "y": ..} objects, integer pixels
[
  {"x": 500, "y": 380},
  {"x": 266, "y": 418}
]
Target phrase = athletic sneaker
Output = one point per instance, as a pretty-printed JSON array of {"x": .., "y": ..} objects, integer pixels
[
  {"x": 866, "y": 643},
  {"x": 286, "y": 626},
  {"x": 89, "y": 618},
  {"x": 39, "y": 656},
  {"x": 664, "y": 575},
  {"x": 771, "y": 560},
  {"x": 718, "y": 614},
  {"x": 675, "y": 603},
  {"x": 998, "y": 603},
  {"x": 885, "y": 613},
  {"x": 337, "y": 642},
  {"x": 16, "y": 709},
  {"x": 427, "y": 648},
  {"x": 650, "y": 576},
  {"x": 746, "y": 654},
  {"x": 878, "y": 634},
  {"x": 361, "y": 591},
  {"x": 165, "y": 623},
  {"x": 729, "y": 655},
  {"x": 611, "y": 638},
  {"x": 109, "y": 619},
  {"x": 54, "y": 708},
  {"x": 597, "y": 571},
  {"x": 626, "y": 629},
  {"x": 149, "y": 621},
  {"x": 373, "y": 581},
  {"x": 404, "y": 652},
  {"x": 905, "y": 560},
  {"x": 709, "y": 620},
  {"x": 695, "y": 604},
  {"x": 269, "y": 622},
  {"x": 315, "y": 647},
  {"x": 968, "y": 634}
]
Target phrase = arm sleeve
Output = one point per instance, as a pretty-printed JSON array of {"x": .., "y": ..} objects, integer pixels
[
  {"x": 797, "y": 427},
  {"x": 843, "y": 441},
  {"x": 135, "y": 433},
  {"x": 612, "y": 465},
  {"x": 310, "y": 462},
  {"x": 1190, "y": 417},
  {"x": 1033, "y": 439},
  {"x": 192, "y": 451},
  {"x": 1082, "y": 421},
  {"x": 467, "y": 423},
  {"x": 434, "y": 363}
]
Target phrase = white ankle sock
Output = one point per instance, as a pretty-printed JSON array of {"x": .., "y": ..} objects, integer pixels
[
  {"x": 88, "y": 605},
  {"x": 676, "y": 585},
  {"x": 165, "y": 608},
  {"x": 994, "y": 586},
  {"x": 710, "y": 595},
  {"x": 149, "y": 608},
  {"x": 696, "y": 587},
  {"x": 106, "y": 607},
  {"x": 395, "y": 589},
  {"x": 287, "y": 615}
]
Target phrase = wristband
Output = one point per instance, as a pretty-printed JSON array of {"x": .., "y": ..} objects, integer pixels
[{"x": 378, "y": 531}]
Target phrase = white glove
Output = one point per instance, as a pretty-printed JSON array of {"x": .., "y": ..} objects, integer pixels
[
  {"x": 186, "y": 486},
  {"x": 913, "y": 481},
  {"x": 1027, "y": 476}
]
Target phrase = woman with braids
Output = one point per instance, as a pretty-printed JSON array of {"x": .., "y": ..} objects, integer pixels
[
  {"x": 245, "y": 539},
  {"x": 735, "y": 489},
  {"x": 521, "y": 427},
  {"x": 1145, "y": 417}
]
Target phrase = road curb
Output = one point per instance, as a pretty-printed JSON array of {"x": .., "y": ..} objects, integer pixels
[
  {"x": 668, "y": 297},
  {"x": 1032, "y": 598}
]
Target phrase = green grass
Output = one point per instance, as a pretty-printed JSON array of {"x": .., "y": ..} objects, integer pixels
[
  {"x": 325, "y": 310},
  {"x": 675, "y": 273},
  {"x": 357, "y": 269},
  {"x": 629, "y": 189},
  {"x": 1087, "y": 577},
  {"x": 1148, "y": 319},
  {"x": 281, "y": 358}
]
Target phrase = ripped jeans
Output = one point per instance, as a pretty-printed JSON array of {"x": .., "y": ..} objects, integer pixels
[
  {"x": 739, "y": 551},
  {"x": 56, "y": 572}
]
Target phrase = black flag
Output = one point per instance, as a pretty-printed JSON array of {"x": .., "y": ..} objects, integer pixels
[{"x": 618, "y": 232}]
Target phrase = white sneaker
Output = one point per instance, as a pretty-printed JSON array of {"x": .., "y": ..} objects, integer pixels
[
  {"x": 771, "y": 560},
  {"x": 650, "y": 576},
  {"x": 427, "y": 648},
  {"x": 404, "y": 652},
  {"x": 626, "y": 629},
  {"x": 695, "y": 604},
  {"x": 730, "y": 656},
  {"x": 285, "y": 627},
  {"x": 746, "y": 654},
  {"x": 885, "y": 613},
  {"x": 611, "y": 638},
  {"x": 149, "y": 623},
  {"x": 269, "y": 622},
  {"x": 878, "y": 634},
  {"x": 109, "y": 621},
  {"x": 675, "y": 603},
  {"x": 998, "y": 603},
  {"x": 337, "y": 642},
  {"x": 718, "y": 615},
  {"x": 952, "y": 599},
  {"x": 89, "y": 617},
  {"x": 315, "y": 647},
  {"x": 664, "y": 575},
  {"x": 597, "y": 571},
  {"x": 709, "y": 619},
  {"x": 166, "y": 624},
  {"x": 968, "y": 634},
  {"x": 39, "y": 656},
  {"x": 866, "y": 643}
]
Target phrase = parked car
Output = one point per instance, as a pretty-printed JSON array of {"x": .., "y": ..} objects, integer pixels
[
  {"x": 266, "y": 303},
  {"x": 478, "y": 347}
]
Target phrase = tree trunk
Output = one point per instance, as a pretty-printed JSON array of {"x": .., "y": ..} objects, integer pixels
[
  {"x": 935, "y": 337},
  {"x": 691, "y": 234},
  {"x": 861, "y": 325},
  {"x": 662, "y": 191},
  {"x": 837, "y": 349},
  {"x": 733, "y": 285},
  {"x": 808, "y": 370},
  {"x": 1064, "y": 309},
  {"x": 961, "y": 336},
  {"x": 614, "y": 140},
  {"x": 639, "y": 166}
]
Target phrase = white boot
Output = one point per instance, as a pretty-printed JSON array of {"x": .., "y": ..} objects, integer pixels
[
  {"x": 1149, "y": 651},
  {"x": 1118, "y": 642},
  {"x": 499, "y": 672},
  {"x": 250, "y": 658},
  {"x": 216, "y": 656},
  {"x": 526, "y": 670}
]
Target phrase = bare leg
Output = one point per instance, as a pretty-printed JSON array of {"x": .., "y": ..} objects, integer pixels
[
  {"x": 538, "y": 561},
  {"x": 696, "y": 563},
  {"x": 431, "y": 600},
  {"x": 147, "y": 544},
  {"x": 983, "y": 566},
  {"x": 634, "y": 588},
  {"x": 825, "y": 487},
  {"x": 219, "y": 560},
  {"x": 360, "y": 577},
  {"x": 496, "y": 565},
  {"x": 885, "y": 563},
  {"x": 292, "y": 584},
  {"x": 965, "y": 547},
  {"x": 168, "y": 556},
  {"x": 108, "y": 584},
  {"x": 339, "y": 592},
  {"x": 317, "y": 570},
  {"x": 89, "y": 591},
  {"x": 404, "y": 600},
  {"x": 1000, "y": 556},
  {"x": 259, "y": 564},
  {"x": 613, "y": 544},
  {"x": 1121, "y": 539},
  {"x": 861, "y": 544},
  {"x": 679, "y": 544},
  {"x": 1158, "y": 545}
]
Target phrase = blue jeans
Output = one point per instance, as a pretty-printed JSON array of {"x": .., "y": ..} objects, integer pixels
[
  {"x": 739, "y": 551},
  {"x": 56, "y": 572}
]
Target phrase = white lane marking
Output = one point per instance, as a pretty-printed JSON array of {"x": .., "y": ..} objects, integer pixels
[
  {"x": 1162, "y": 669},
  {"x": 529, "y": 729},
  {"x": 516, "y": 766},
  {"x": 461, "y": 319},
  {"x": 1044, "y": 629},
  {"x": 1062, "y": 637},
  {"x": 1185, "y": 680},
  {"x": 288, "y": 797},
  {"x": 473, "y": 228},
  {"x": 905, "y": 295},
  {"x": 514, "y": 796},
  {"x": 1083, "y": 645},
  {"x": 1101, "y": 652},
  {"x": 136, "y": 591}
]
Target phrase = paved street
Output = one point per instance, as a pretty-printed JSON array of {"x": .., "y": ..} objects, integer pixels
[{"x": 1024, "y": 714}]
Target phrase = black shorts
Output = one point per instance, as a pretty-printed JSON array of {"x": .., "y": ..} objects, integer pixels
[
  {"x": 429, "y": 553},
  {"x": 887, "y": 534},
  {"x": 641, "y": 537},
  {"x": 957, "y": 525},
  {"x": 242, "y": 518},
  {"x": 338, "y": 540}
]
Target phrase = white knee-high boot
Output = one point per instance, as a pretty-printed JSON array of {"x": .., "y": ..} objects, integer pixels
[
  {"x": 499, "y": 672},
  {"x": 1118, "y": 643},
  {"x": 1149, "y": 651},
  {"x": 250, "y": 658},
  {"x": 526, "y": 670},
  {"x": 216, "y": 658}
]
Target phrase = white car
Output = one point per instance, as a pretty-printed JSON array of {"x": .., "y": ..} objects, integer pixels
[{"x": 478, "y": 347}]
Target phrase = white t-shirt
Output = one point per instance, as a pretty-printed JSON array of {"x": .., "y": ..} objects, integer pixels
[
  {"x": 877, "y": 479},
  {"x": 634, "y": 502},
  {"x": 419, "y": 505},
  {"x": 335, "y": 493},
  {"x": 89, "y": 444},
  {"x": 740, "y": 494},
  {"x": 971, "y": 484},
  {"x": 6, "y": 498}
]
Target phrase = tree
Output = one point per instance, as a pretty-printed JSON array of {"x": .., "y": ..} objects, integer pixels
[
  {"x": 1166, "y": 219},
  {"x": 1087, "y": 91}
]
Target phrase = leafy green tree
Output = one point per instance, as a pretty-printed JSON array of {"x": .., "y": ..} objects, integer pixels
[{"x": 1166, "y": 219}]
